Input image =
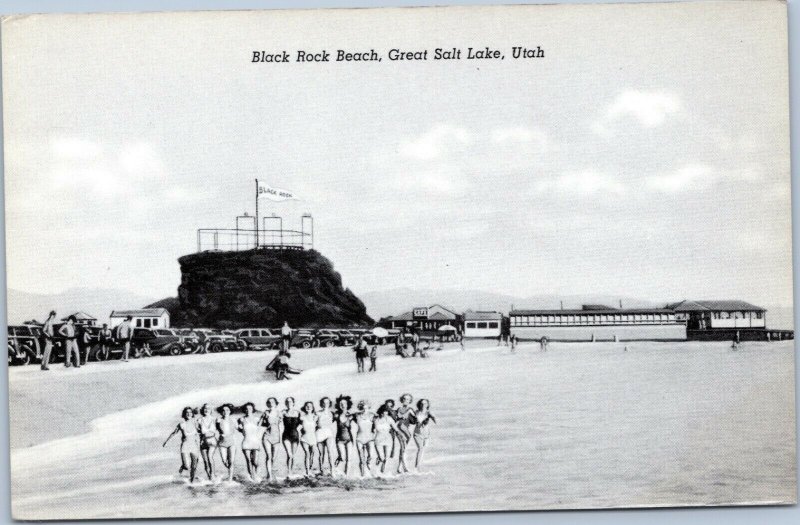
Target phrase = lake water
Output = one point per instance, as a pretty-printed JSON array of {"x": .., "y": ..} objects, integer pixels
[{"x": 578, "y": 426}]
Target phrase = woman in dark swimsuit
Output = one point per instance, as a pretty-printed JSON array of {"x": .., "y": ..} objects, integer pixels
[
  {"x": 404, "y": 419},
  {"x": 344, "y": 432},
  {"x": 291, "y": 433}
]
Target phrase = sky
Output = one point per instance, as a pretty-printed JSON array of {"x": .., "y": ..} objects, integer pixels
[{"x": 646, "y": 155}]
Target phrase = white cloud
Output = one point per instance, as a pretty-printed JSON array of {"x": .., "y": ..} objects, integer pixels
[
  {"x": 584, "y": 182},
  {"x": 518, "y": 134},
  {"x": 434, "y": 142},
  {"x": 686, "y": 178},
  {"x": 74, "y": 148},
  {"x": 649, "y": 108}
]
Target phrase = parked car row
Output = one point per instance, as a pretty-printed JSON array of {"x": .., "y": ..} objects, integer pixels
[{"x": 26, "y": 342}]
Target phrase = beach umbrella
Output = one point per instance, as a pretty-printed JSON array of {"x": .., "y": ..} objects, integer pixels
[
  {"x": 447, "y": 328},
  {"x": 380, "y": 332}
]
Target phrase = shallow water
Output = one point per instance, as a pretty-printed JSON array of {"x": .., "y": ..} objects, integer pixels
[{"x": 578, "y": 426}]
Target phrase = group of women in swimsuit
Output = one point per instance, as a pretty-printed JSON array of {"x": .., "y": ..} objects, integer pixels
[{"x": 319, "y": 431}]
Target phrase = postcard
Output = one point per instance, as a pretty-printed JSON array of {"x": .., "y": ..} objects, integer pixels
[{"x": 435, "y": 259}]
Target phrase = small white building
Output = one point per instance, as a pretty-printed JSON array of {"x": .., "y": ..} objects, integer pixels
[
  {"x": 482, "y": 324},
  {"x": 143, "y": 318}
]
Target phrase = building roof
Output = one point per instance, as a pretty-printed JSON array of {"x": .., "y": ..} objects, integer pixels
[
  {"x": 714, "y": 306},
  {"x": 602, "y": 311},
  {"x": 81, "y": 316},
  {"x": 435, "y": 316},
  {"x": 143, "y": 312},
  {"x": 469, "y": 315}
]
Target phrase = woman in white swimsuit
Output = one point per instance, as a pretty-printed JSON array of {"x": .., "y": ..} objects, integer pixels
[
  {"x": 404, "y": 422},
  {"x": 190, "y": 441},
  {"x": 326, "y": 433},
  {"x": 250, "y": 427},
  {"x": 308, "y": 435},
  {"x": 271, "y": 420},
  {"x": 225, "y": 441},
  {"x": 208, "y": 439},
  {"x": 384, "y": 428},
  {"x": 422, "y": 429},
  {"x": 365, "y": 439}
]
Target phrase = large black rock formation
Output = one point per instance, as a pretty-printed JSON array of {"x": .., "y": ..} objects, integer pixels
[{"x": 262, "y": 288}]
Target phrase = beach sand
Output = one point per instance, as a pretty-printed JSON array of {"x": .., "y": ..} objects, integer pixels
[{"x": 578, "y": 426}]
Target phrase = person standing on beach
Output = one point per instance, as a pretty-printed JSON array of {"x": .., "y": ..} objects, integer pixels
[
  {"x": 286, "y": 336},
  {"x": 125, "y": 334},
  {"x": 47, "y": 331},
  {"x": 86, "y": 341},
  {"x": 361, "y": 353},
  {"x": 67, "y": 331},
  {"x": 105, "y": 336},
  {"x": 373, "y": 359}
]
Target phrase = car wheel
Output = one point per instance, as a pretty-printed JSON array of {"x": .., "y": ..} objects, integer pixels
[
  {"x": 306, "y": 344},
  {"x": 329, "y": 344},
  {"x": 12, "y": 356},
  {"x": 244, "y": 347},
  {"x": 215, "y": 348},
  {"x": 175, "y": 349}
]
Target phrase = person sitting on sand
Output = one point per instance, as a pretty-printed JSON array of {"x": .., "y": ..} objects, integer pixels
[
  {"x": 225, "y": 442},
  {"x": 291, "y": 433},
  {"x": 308, "y": 435},
  {"x": 190, "y": 442},
  {"x": 282, "y": 366},
  {"x": 208, "y": 439},
  {"x": 422, "y": 419},
  {"x": 384, "y": 428},
  {"x": 344, "y": 431},
  {"x": 250, "y": 427},
  {"x": 364, "y": 437},
  {"x": 271, "y": 421}
]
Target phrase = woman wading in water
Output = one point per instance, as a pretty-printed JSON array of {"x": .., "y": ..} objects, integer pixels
[
  {"x": 422, "y": 430},
  {"x": 344, "y": 431},
  {"x": 308, "y": 435},
  {"x": 271, "y": 421},
  {"x": 208, "y": 439},
  {"x": 384, "y": 428},
  {"x": 405, "y": 416},
  {"x": 326, "y": 433},
  {"x": 225, "y": 442},
  {"x": 190, "y": 441},
  {"x": 364, "y": 437},
  {"x": 250, "y": 427},
  {"x": 291, "y": 433}
]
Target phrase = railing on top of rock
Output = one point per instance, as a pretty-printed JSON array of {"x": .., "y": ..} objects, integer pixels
[{"x": 241, "y": 239}]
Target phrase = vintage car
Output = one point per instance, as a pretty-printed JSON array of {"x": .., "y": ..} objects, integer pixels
[
  {"x": 326, "y": 337},
  {"x": 346, "y": 337},
  {"x": 258, "y": 338},
  {"x": 303, "y": 338},
  {"x": 215, "y": 341},
  {"x": 149, "y": 341},
  {"x": 25, "y": 343},
  {"x": 190, "y": 338}
]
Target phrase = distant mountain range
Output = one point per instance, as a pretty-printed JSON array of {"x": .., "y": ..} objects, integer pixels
[{"x": 24, "y": 306}]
